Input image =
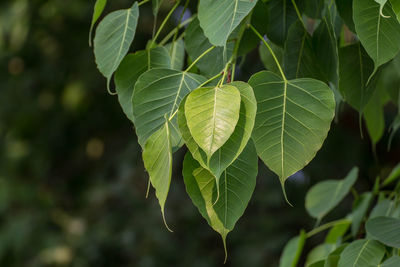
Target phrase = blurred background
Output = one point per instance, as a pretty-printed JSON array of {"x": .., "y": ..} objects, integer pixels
[{"x": 72, "y": 182}]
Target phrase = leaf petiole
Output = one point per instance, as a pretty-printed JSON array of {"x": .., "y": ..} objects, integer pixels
[
  {"x": 164, "y": 22},
  {"x": 143, "y": 2},
  {"x": 197, "y": 59},
  {"x": 326, "y": 226}
]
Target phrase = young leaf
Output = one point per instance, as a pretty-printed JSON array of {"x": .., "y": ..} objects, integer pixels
[
  {"x": 379, "y": 35},
  {"x": 236, "y": 184},
  {"x": 177, "y": 53},
  {"x": 396, "y": 8},
  {"x": 235, "y": 144},
  {"x": 98, "y": 9},
  {"x": 281, "y": 16},
  {"x": 324, "y": 196},
  {"x": 360, "y": 208},
  {"x": 158, "y": 93},
  {"x": 114, "y": 36},
  {"x": 391, "y": 262},
  {"x": 196, "y": 43},
  {"x": 218, "y": 19},
  {"x": 212, "y": 114},
  {"x": 385, "y": 230},
  {"x": 131, "y": 67},
  {"x": 362, "y": 253},
  {"x": 157, "y": 158},
  {"x": 292, "y": 251},
  {"x": 293, "y": 119}
]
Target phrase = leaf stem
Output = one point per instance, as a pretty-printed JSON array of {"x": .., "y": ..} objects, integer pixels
[
  {"x": 164, "y": 22},
  {"x": 143, "y": 2},
  {"x": 326, "y": 226},
  {"x": 171, "y": 33},
  {"x": 270, "y": 50},
  {"x": 211, "y": 79},
  {"x": 224, "y": 72},
  {"x": 197, "y": 59},
  {"x": 179, "y": 22}
]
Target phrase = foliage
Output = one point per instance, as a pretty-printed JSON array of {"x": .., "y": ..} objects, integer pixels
[{"x": 317, "y": 55}]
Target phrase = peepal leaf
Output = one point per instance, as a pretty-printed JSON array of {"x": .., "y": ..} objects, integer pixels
[
  {"x": 396, "y": 8},
  {"x": 212, "y": 114},
  {"x": 293, "y": 119},
  {"x": 219, "y": 18},
  {"x": 324, "y": 196},
  {"x": 292, "y": 251},
  {"x": 362, "y": 253},
  {"x": 282, "y": 15},
  {"x": 131, "y": 68},
  {"x": 391, "y": 262},
  {"x": 379, "y": 35},
  {"x": 236, "y": 185},
  {"x": 235, "y": 144},
  {"x": 384, "y": 229},
  {"x": 157, "y": 158},
  {"x": 158, "y": 93},
  {"x": 156, "y": 4},
  {"x": 177, "y": 53},
  {"x": 360, "y": 208},
  {"x": 98, "y": 9},
  {"x": 114, "y": 36}
]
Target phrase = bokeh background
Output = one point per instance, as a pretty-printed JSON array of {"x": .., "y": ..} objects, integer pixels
[{"x": 72, "y": 182}]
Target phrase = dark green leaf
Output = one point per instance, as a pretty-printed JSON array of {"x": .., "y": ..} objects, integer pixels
[
  {"x": 267, "y": 58},
  {"x": 360, "y": 208},
  {"x": 345, "y": 9},
  {"x": 391, "y": 262},
  {"x": 156, "y": 6},
  {"x": 375, "y": 117},
  {"x": 281, "y": 16},
  {"x": 393, "y": 176},
  {"x": 396, "y": 8}
]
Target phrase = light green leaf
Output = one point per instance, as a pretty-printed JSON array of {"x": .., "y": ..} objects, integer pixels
[
  {"x": 177, "y": 53},
  {"x": 158, "y": 93},
  {"x": 235, "y": 144},
  {"x": 157, "y": 158},
  {"x": 293, "y": 119},
  {"x": 391, "y": 262},
  {"x": 355, "y": 66},
  {"x": 319, "y": 253},
  {"x": 393, "y": 176},
  {"x": 396, "y": 8},
  {"x": 267, "y": 59},
  {"x": 292, "y": 251},
  {"x": 212, "y": 114},
  {"x": 324, "y": 196},
  {"x": 218, "y": 19},
  {"x": 362, "y": 253},
  {"x": 131, "y": 67},
  {"x": 360, "y": 208},
  {"x": 337, "y": 232},
  {"x": 236, "y": 185},
  {"x": 281, "y": 16},
  {"x": 385, "y": 230},
  {"x": 98, "y": 9},
  {"x": 156, "y": 4},
  {"x": 379, "y": 35},
  {"x": 114, "y": 36},
  {"x": 196, "y": 43}
]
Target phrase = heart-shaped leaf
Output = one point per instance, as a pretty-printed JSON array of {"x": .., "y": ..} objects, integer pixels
[
  {"x": 362, "y": 253},
  {"x": 385, "y": 230},
  {"x": 158, "y": 93},
  {"x": 114, "y": 36},
  {"x": 212, "y": 114},
  {"x": 293, "y": 119}
]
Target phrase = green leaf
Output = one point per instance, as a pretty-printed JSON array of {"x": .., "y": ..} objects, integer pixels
[
  {"x": 235, "y": 144},
  {"x": 98, "y": 9},
  {"x": 157, "y": 158},
  {"x": 375, "y": 117},
  {"x": 319, "y": 253},
  {"x": 384, "y": 229},
  {"x": 236, "y": 184},
  {"x": 337, "y": 232},
  {"x": 381, "y": 6},
  {"x": 196, "y": 43},
  {"x": 313, "y": 8},
  {"x": 219, "y": 18},
  {"x": 299, "y": 58},
  {"x": 114, "y": 36},
  {"x": 396, "y": 8},
  {"x": 362, "y": 253},
  {"x": 293, "y": 119},
  {"x": 391, "y": 262},
  {"x": 177, "y": 53},
  {"x": 268, "y": 60},
  {"x": 281, "y": 16},
  {"x": 212, "y": 114},
  {"x": 379, "y": 35},
  {"x": 292, "y": 251},
  {"x": 385, "y": 207},
  {"x": 156, "y": 4},
  {"x": 131, "y": 67},
  {"x": 158, "y": 93},
  {"x": 333, "y": 258},
  {"x": 355, "y": 66},
  {"x": 393, "y": 176},
  {"x": 324, "y": 196},
  {"x": 345, "y": 9},
  {"x": 360, "y": 208}
]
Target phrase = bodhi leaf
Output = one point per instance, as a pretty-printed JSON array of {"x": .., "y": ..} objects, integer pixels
[
  {"x": 337, "y": 232},
  {"x": 391, "y": 262},
  {"x": 281, "y": 16},
  {"x": 177, "y": 53},
  {"x": 293, "y": 119},
  {"x": 360, "y": 208},
  {"x": 393, "y": 176},
  {"x": 379, "y": 35},
  {"x": 333, "y": 258},
  {"x": 114, "y": 36},
  {"x": 131, "y": 68},
  {"x": 158, "y": 92},
  {"x": 235, "y": 144},
  {"x": 362, "y": 253},
  {"x": 98, "y": 9},
  {"x": 375, "y": 117},
  {"x": 212, "y": 114},
  {"x": 218, "y": 19},
  {"x": 324, "y": 196},
  {"x": 157, "y": 158},
  {"x": 319, "y": 253},
  {"x": 236, "y": 184},
  {"x": 156, "y": 6},
  {"x": 385, "y": 230},
  {"x": 396, "y": 8},
  {"x": 292, "y": 251},
  {"x": 345, "y": 9},
  {"x": 267, "y": 59}
]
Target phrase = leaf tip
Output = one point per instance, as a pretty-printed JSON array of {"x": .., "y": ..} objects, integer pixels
[
  {"x": 165, "y": 222},
  {"x": 284, "y": 193},
  {"x": 225, "y": 249}
]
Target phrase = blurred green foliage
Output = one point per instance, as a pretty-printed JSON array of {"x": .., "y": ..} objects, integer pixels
[{"x": 72, "y": 183}]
